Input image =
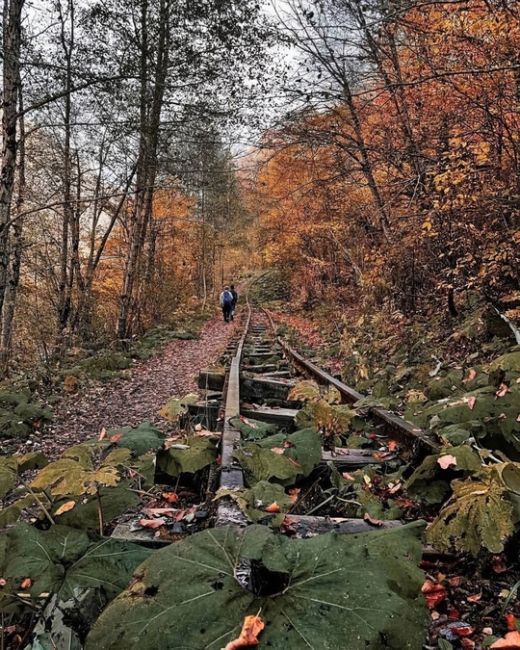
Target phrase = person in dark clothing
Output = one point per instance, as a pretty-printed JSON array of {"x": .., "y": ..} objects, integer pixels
[
  {"x": 226, "y": 303},
  {"x": 235, "y": 300}
]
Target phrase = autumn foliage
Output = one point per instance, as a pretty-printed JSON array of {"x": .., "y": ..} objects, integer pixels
[{"x": 407, "y": 193}]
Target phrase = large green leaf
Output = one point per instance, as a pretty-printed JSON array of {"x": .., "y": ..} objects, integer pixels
[
  {"x": 301, "y": 453},
  {"x": 253, "y": 501},
  {"x": 141, "y": 439},
  {"x": 114, "y": 502},
  {"x": 65, "y": 562},
  {"x": 329, "y": 591},
  {"x": 190, "y": 456},
  {"x": 8, "y": 474}
]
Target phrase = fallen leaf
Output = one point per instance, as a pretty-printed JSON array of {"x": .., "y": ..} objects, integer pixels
[
  {"x": 474, "y": 598},
  {"x": 26, "y": 583},
  {"x": 251, "y": 628},
  {"x": 349, "y": 477},
  {"x": 273, "y": 507},
  {"x": 166, "y": 512},
  {"x": 472, "y": 373},
  {"x": 293, "y": 494},
  {"x": 68, "y": 505},
  {"x": 372, "y": 520},
  {"x": 446, "y": 461},
  {"x": 503, "y": 390},
  {"x": 170, "y": 497},
  {"x": 152, "y": 523},
  {"x": 277, "y": 450},
  {"x": 488, "y": 631},
  {"x": 498, "y": 564},
  {"x": 511, "y": 641},
  {"x": 460, "y": 628},
  {"x": 471, "y": 402},
  {"x": 3, "y": 582},
  {"x": 102, "y": 434},
  {"x": 433, "y": 593},
  {"x": 510, "y": 622},
  {"x": 116, "y": 437},
  {"x": 392, "y": 445},
  {"x": 453, "y": 614}
]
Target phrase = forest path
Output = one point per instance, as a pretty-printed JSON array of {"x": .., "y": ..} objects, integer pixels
[{"x": 173, "y": 372}]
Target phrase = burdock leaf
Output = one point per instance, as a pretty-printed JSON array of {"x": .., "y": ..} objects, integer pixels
[
  {"x": 64, "y": 561},
  {"x": 8, "y": 474},
  {"x": 197, "y": 454},
  {"x": 330, "y": 591}
]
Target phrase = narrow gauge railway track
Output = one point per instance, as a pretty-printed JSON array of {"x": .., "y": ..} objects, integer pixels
[{"x": 262, "y": 372}]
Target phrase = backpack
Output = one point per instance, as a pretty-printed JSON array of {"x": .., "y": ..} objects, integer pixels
[{"x": 227, "y": 298}]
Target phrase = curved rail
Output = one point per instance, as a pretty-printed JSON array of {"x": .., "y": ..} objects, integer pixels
[{"x": 399, "y": 425}]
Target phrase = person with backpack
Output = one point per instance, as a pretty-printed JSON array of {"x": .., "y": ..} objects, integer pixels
[
  {"x": 235, "y": 300},
  {"x": 226, "y": 302}
]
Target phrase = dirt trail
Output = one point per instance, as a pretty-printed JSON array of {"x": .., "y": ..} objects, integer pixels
[{"x": 131, "y": 401}]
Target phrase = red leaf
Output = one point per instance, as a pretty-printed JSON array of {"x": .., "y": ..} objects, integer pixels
[
  {"x": 510, "y": 622},
  {"x": 463, "y": 630},
  {"x": 170, "y": 497},
  {"x": 273, "y": 507},
  {"x": 26, "y": 583},
  {"x": 498, "y": 564},
  {"x": 116, "y": 437},
  {"x": 433, "y": 593},
  {"x": 472, "y": 373}
]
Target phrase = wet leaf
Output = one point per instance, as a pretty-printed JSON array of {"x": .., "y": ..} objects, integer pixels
[{"x": 196, "y": 596}]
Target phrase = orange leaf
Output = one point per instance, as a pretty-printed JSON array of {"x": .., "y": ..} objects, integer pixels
[
  {"x": 511, "y": 641},
  {"x": 171, "y": 497},
  {"x": 102, "y": 434},
  {"x": 510, "y": 622},
  {"x": 251, "y": 628},
  {"x": 447, "y": 461},
  {"x": 472, "y": 373},
  {"x": 26, "y": 583},
  {"x": 471, "y": 402},
  {"x": 116, "y": 437},
  {"x": 293, "y": 494},
  {"x": 392, "y": 445},
  {"x": 68, "y": 505},
  {"x": 273, "y": 507}
]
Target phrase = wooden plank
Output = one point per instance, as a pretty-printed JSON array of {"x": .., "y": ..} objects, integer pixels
[
  {"x": 345, "y": 457},
  {"x": 306, "y": 526},
  {"x": 282, "y": 417},
  {"x": 258, "y": 389}
]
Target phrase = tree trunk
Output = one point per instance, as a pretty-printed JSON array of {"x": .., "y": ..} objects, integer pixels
[
  {"x": 11, "y": 82},
  {"x": 17, "y": 248}
]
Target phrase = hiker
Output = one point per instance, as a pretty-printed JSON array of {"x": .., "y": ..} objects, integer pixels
[
  {"x": 226, "y": 302},
  {"x": 235, "y": 300}
]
